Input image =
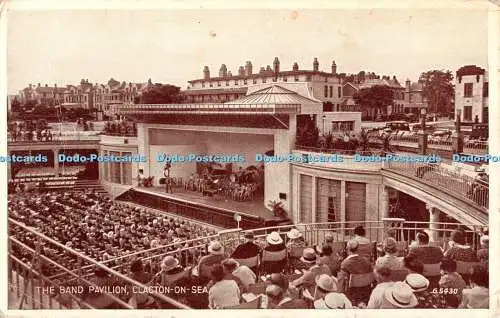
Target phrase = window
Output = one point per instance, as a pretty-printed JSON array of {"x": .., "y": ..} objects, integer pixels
[
  {"x": 342, "y": 126},
  {"x": 203, "y": 85},
  {"x": 254, "y": 81},
  {"x": 296, "y": 78},
  {"x": 218, "y": 83},
  {"x": 485, "y": 89},
  {"x": 227, "y": 83},
  {"x": 468, "y": 90},
  {"x": 308, "y": 78},
  {"x": 331, "y": 91},
  {"x": 339, "y": 91},
  {"x": 264, "y": 80},
  {"x": 285, "y": 79},
  {"x": 331, "y": 210},
  {"x": 326, "y": 91},
  {"x": 211, "y": 85},
  {"x": 245, "y": 81},
  {"x": 468, "y": 113}
]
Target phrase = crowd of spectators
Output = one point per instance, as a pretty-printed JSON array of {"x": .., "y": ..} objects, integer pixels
[
  {"x": 93, "y": 225},
  {"x": 281, "y": 271}
]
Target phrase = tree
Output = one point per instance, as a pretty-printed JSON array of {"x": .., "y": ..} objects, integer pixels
[
  {"x": 161, "y": 94},
  {"x": 438, "y": 90},
  {"x": 374, "y": 99}
]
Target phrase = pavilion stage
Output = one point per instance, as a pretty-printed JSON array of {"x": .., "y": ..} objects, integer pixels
[{"x": 212, "y": 210}]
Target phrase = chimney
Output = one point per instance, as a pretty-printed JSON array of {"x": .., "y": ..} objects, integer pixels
[
  {"x": 46, "y": 85},
  {"x": 55, "y": 85},
  {"x": 316, "y": 65},
  {"x": 223, "y": 71},
  {"x": 334, "y": 67},
  {"x": 206, "y": 73},
  {"x": 276, "y": 66},
  {"x": 229, "y": 74},
  {"x": 241, "y": 71},
  {"x": 262, "y": 70},
  {"x": 38, "y": 84},
  {"x": 268, "y": 69},
  {"x": 295, "y": 67},
  {"x": 31, "y": 86},
  {"x": 248, "y": 68},
  {"x": 407, "y": 84}
]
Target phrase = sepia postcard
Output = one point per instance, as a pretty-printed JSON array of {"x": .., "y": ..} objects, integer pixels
[{"x": 208, "y": 155}]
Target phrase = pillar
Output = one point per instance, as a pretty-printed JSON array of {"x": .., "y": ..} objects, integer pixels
[
  {"x": 383, "y": 202},
  {"x": 342, "y": 201},
  {"x": 56, "y": 162},
  {"x": 457, "y": 142},
  {"x": 314, "y": 192},
  {"x": 433, "y": 223},
  {"x": 422, "y": 142}
]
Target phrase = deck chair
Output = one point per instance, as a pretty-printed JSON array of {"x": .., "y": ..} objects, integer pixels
[
  {"x": 359, "y": 287},
  {"x": 366, "y": 251},
  {"x": 271, "y": 260},
  {"x": 251, "y": 262},
  {"x": 432, "y": 270}
]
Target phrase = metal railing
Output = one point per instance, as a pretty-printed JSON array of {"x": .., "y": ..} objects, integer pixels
[
  {"x": 348, "y": 152},
  {"x": 34, "y": 290},
  {"x": 208, "y": 108},
  {"x": 462, "y": 186}
]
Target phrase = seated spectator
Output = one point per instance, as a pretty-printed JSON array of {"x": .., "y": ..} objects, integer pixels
[
  {"x": 419, "y": 284},
  {"x": 224, "y": 292},
  {"x": 277, "y": 299},
  {"x": 282, "y": 281},
  {"x": 399, "y": 295},
  {"x": 242, "y": 273},
  {"x": 171, "y": 271},
  {"x": 274, "y": 244},
  {"x": 324, "y": 284},
  {"x": 458, "y": 250},
  {"x": 327, "y": 258},
  {"x": 352, "y": 264},
  {"x": 328, "y": 242},
  {"x": 360, "y": 235},
  {"x": 413, "y": 265},
  {"x": 215, "y": 256},
  {"x": 449, "y": 276},
  {"x": 333, "y": 301},
  {"x": 390, "y": 259},
  {"x": 424, "y": 252},
  {"x": 384, "y": 281},
  {"x": 141, "y": 300},
  {"x": 478, "y": 295},
  {"x": 482, "y": 253},
  {"x": 248, "y": 249},
  {"x": 309, "y": 259},
  {"x": 295, "y": 239}
]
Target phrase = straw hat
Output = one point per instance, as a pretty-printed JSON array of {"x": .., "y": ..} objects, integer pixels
[
  {"x": 390, "y": 245},
  {"x": 294, "y": 234},
  {"x": 274, "y": 238},
  {"x": 401, "y": 295},
  {"x": 327, "y": 283},
  {"x": 309, "y": 256},
  {"x": 333, "y": 301},
  {"x": 216, "y": 248},
  {"x": 417, "y": 282},
  {"x": 169, "y": 263}
]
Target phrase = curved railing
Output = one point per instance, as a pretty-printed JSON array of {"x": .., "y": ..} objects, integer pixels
[{"x": 32, "y": 289}]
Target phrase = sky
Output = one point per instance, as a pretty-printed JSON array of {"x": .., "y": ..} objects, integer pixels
[{"x": 172, "y": 46}]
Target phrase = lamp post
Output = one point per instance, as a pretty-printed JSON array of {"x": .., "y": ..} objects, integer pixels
[
  {"x": 324, "y": 119},
  {"x": 457, "y": 140},
  {"x": 422, "y": 136}
]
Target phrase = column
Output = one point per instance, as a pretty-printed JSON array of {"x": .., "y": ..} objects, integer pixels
[
  {"x": 383, "y": 202},
  {"x": 342, "y": 201},
  {"x": 315, "y": 217},
  {"x": 56, "y": 162},
  {"x": 433, "y": 223}
]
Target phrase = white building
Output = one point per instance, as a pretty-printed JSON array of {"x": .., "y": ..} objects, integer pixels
[{"x": 471, "y": 94}]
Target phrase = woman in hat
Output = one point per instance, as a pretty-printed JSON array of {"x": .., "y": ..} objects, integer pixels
[
  {"x": 171, "y": 271},
  {"x": 399, "y": 295},
  {"x": 419, "y": 285},
  {"x": 216, "y": 255},
  {"x": 458, "y": 250},
  {"x": 295, "y": 246},
  {"x": 308, "y": 279}
]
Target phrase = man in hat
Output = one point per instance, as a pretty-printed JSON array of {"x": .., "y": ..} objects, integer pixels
[
  {"x": 307, "y": 280},
  {"x": 352, "y": 264},
  {"x": 399, "y": 295},
  {"x": 244, "y": 274},
  {"x": 215, "y": 256},
  {"x": 424, "y": 252},
  {"x": 277, "y": 299},
  {"x": 333, "y": 301},
  {"x": 275, "y": 245},
  {"x": 419, "y": 285},
  {"x": 390, "y": 259}
]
